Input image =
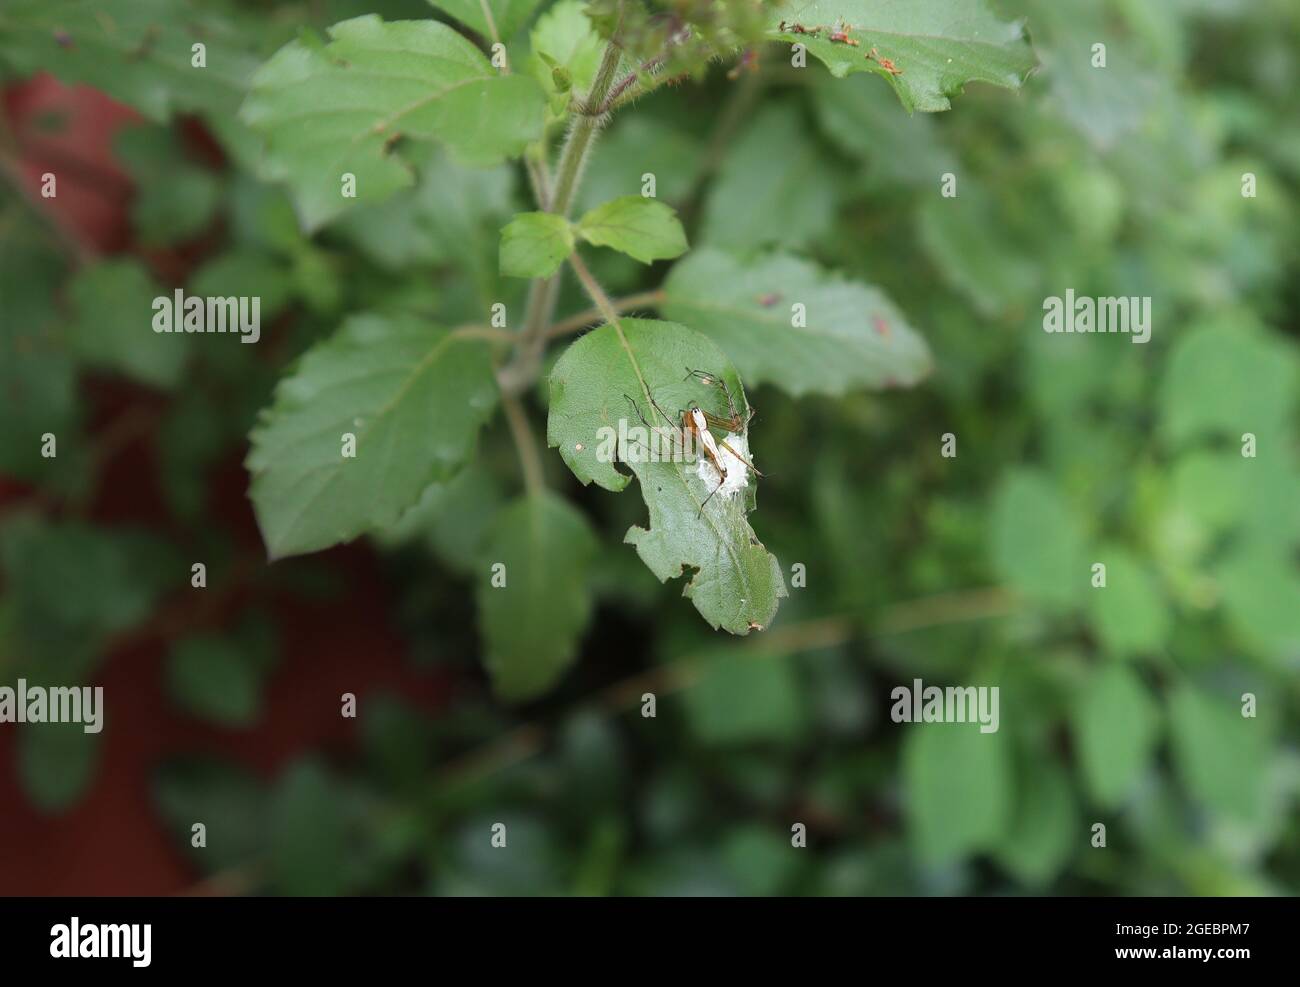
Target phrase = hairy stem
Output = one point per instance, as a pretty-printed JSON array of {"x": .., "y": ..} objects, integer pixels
[
  {"x": 590, "y": 316},
  {"x": 543, "y": 294},
  {"x": 633, "y": 85},
  {"x": 606, "y": 308},
  {"x": 585, "y": 127},
  {"x": 603, "y": 303}
]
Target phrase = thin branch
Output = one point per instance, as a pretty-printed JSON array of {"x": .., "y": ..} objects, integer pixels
[
  {"x": 597, "y": 294},
  {"x": 492, "y": 27},
  {"x": 947, "y": 608},
  {"x": 538, "y": 181},
  {"x": 528, "y": 739},
  {"x": 229, "y": 883},
  {"x": 658, "y": 83},
  {"x": 584, "y": 129},
  {"x": 606, "y": 307},
  {"x": 590, "y": 316},
  {"x": 484, "y": 332},
  {"x": 618, "y": 93},
  {"x": 525, "y": 446}
]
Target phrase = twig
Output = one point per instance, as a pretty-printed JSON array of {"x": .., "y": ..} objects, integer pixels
[
  {"x": 484, "y": 332},
  {"x": 239, "y": 880},
  {"x": 597, "y": 294},
  {"x": 539, "y": 181},
  {"x": 529, "y": 460},
  {"x": 619, "y": 90},
  {"x": 825, "y": 632},
  {"x": 492, "y": 26},
  {"x": 589, "y": 316},
  {"x": 947, "y": 608}
]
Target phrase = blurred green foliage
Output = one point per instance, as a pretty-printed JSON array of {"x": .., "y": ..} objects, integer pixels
[{"x": 1120, "y": 706}]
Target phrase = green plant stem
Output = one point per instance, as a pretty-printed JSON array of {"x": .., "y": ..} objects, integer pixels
[
  {"x": 584, "y": 129},
  {"x": 589, "y": 316},
  {"x": 543, "y": 294},
  {"x": 484, "y": 332},
  {"x": 538, "y": 180},
  {"x": 588, "y": 280},
  {"x": 491, "y": 24},
  {"x": 529, "y": 459},
  {"x": 610, "y": 313}
]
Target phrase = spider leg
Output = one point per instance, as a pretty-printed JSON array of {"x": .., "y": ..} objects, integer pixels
[
  {"x": 675, "y": 432},
  {"x": 664, "y": 415},
  {"x": 721, "y": 480},
  {"x": 714, "y": 380},
  {"x": 724, "y": 445}
]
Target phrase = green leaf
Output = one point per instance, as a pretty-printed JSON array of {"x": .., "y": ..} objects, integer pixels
[
  {"x": 639, "y": 227},
  {"x": 1223, "y": 378},
  {"x": 563, "y": 37},
  {"x": 333, "y": 111},
  {"x": 112, "y": 325},
  {"x": 247, "y": 272},
  {"x": 452, "y": 517},
  {"x": 308, "y": 837},
  {"x": 1211, "y": 488},
  {"x": 761, "y": 861},
  {"x": 776, "y": 186},
  {"x": 738, "y": 582},
  {"x": 56, "y": 762},
  {"x": 1221, "y": 755},
  {"x": 38, "y": 378},
  {"x": 854, "y": 336},
  {"x": 971, "y": 244},
  {"x": 865, "y": 121},
  {"x": 1116, "y": 726},
  {"x": 532, "y": 624},
  {"x": 413, "y": 396},
  {"x": 175, "y": 199},
  {"x": 534, "y": 245},
  {"x": 139, "y": 52},
  {"x": 507, "y": 15},
  {"x": 207, "y": 679},
  {"x": 1104, "y": 105},
  {"x": 72, "y": 585},
  {"x": 637, "y": 145},
  {"x": 219, "y": 678},
  {"x": 740, "y": 699},
  {"x": 1130, "y": 613},
  {"x": 958, "y": 786},
  {"x": 451, "y": 217},
  {"x": 1260, "y": 581},
  {"x": 1045, "y": 825},
  {"x": 229, "y": 801},
  {"x": 1036, "y": 542},
  {"x": 936, "y": 47}
]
